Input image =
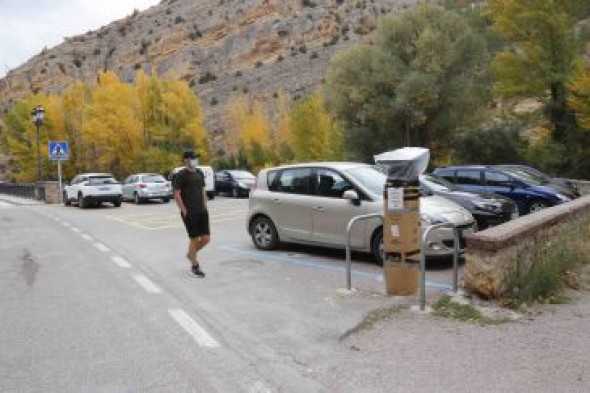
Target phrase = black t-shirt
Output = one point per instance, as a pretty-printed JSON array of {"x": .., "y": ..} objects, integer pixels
[{"x": 191, "y": 185}]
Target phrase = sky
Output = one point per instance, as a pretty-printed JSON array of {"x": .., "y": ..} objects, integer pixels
[{"x": 27, "y": 26}]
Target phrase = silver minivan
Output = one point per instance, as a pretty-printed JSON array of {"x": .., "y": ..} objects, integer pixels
[{"x": 313, "y": 203}]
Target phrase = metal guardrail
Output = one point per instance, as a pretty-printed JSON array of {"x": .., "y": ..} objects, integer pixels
[
  {"x": 24, "y": 190},
  {"x": 423, "y": 259},
  {"x": 348, "y": 236}
]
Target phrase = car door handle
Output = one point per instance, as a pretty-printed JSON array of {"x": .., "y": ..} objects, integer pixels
[{"x": 318, "y": 209}]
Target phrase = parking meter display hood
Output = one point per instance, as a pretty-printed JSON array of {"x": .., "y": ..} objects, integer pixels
[{"x": 406, "y": 163}]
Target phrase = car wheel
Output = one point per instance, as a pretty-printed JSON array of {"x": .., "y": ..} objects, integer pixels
[
  {"x": 537, "y": 205},
  {"x": 210, "y": 195},
  {"x": 264, "y": 233},
  {"x": 136, "y": 199},
  {"x": 66, "y": 201},
  {"x": 235, "y": 193},
  {"x": 377, "y": 248},
  {"x": 81, "y": 202},
  {"x": 166, "y": 200},
  {"x": 117, "y": 202}
]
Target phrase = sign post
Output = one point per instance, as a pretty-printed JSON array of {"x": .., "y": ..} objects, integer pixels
[{"x": 58, "y": 151}]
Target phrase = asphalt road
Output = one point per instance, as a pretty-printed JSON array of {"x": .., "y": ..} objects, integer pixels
[{"x": 100, "y": 299}]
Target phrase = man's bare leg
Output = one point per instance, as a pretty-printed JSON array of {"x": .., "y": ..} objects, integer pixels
[{"x": 194, "y": 246}]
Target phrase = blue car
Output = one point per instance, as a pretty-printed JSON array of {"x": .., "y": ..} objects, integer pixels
[{"x": 529, "y": 194}]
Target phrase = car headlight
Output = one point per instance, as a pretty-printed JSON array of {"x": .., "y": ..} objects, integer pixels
[
  {"x": 492, "y": 207},
  {"x": 429, "y": 220},
  {"x": 563, "y": 198}
]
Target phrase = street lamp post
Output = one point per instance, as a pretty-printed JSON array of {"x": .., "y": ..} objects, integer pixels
[{"x": 37, "y": 117}]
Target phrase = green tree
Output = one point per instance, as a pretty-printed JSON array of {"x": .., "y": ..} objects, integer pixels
[
  {"x": 415, "y": 85},
  {"x": 541, "y": 54}
]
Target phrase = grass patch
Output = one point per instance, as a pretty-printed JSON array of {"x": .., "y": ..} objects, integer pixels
[
  {"x": 447, "y": 308},
  {"x": 372, "y": 319},
  {"x": 552, "y": 271}
]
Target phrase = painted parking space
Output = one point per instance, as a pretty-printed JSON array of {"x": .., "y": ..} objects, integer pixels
[
  {"x": 308, "y": 261},
  {"x": 170, "y": 219}
]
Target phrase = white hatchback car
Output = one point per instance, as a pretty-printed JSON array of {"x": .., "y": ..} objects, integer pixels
[
  {"x": 313, "y": 204},
  {"x": 88, "y": 189}
]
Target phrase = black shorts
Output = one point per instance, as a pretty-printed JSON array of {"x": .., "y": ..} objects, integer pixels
[{"x": 197, "y": 224}]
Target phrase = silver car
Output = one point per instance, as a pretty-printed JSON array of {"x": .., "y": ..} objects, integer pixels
[
  {"x": 313, "y": 204},
  {"x": 141, "y": 187}
]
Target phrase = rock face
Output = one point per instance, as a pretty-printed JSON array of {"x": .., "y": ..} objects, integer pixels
[{"x": 220, "y": 47}]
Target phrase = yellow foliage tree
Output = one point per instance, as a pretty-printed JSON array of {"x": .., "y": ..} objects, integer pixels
[
  {"x": 315, "y": 135},
  {"x": 579, "y": 99}
]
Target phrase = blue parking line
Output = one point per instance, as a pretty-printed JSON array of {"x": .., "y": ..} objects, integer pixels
[{"x": 309, "y": 263}]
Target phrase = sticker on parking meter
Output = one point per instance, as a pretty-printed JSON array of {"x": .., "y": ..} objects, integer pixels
[{"x": 395, "y": 198}]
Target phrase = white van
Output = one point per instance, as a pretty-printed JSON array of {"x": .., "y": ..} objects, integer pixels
[{"x": 209, "y": 178}]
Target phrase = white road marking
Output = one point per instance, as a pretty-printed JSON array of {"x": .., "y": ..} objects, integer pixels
[
  {"x": 5, "y": 205},
  {"x": 87, "y": 237},
  {"x": 147, "y": 284},
  {"x": 193, "y": 328},
  {"x": 102, "y": 247},
  {"x": 120, "y": 262}
]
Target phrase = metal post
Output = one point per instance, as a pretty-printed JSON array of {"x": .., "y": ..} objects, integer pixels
[
  {"x": 348, "y": 241},
  {"x": 59, "y": 181},
  {"x": 423, "y": 260},
  {"x": 39, "y": 175},
  {"x": 456, "y": 259}
]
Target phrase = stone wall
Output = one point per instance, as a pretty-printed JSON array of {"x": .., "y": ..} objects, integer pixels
[
  {"x": 493, "y": 254},
  {"x": 583, "y": 186}
]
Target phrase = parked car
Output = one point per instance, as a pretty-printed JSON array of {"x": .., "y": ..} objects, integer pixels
[
  {"x": 88, "y": 189},
  {"x": 141, "y": 187},
  {"x": 235, "y": 182},
  {"x": 564, "y": 186},
  {"x": 313, "y": 204},
  {"x": 487, "y": 209},
  {"x": 530, "y": 195},
  {"x": 209, "y": 178}
]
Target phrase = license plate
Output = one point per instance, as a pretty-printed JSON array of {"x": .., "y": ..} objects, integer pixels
[{"x": 104, "y": 188}]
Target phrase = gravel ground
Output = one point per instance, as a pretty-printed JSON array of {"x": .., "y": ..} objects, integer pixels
[{"x": 545, "y": 351}]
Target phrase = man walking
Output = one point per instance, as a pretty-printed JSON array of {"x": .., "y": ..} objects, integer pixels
[{"x": 190, "y": 196}]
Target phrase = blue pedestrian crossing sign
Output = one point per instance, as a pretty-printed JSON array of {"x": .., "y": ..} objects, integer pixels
[{"x": 58, "y": 151}]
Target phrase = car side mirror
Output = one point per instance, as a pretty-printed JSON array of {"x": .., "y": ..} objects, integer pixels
[{"x": 352, "y": 196}]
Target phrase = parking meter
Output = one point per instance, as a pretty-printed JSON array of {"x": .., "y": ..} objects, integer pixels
[{"x": 401, "y": 212}]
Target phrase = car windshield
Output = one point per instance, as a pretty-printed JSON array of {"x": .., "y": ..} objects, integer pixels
[
  {"x": 370, "y": 177},
  {"x": 242, "y": 175},
  {"x": 93, "y": 181},
  {"x": 437, "y": 183},
  {"x": 154, "y": 179}
]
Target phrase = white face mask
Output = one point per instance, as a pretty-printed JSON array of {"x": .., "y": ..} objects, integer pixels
[{"x": 194, "y": 162}]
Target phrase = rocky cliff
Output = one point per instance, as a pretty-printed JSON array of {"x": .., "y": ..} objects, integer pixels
[{"x": 220, "y": 47}]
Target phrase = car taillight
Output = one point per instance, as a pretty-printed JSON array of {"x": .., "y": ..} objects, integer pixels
[{"x": 143, "y": 186}]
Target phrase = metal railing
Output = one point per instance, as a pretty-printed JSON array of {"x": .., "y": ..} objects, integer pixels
[
  {"x": 423, "y": 244},
  {"x": 348, "y": 236},
  {"x": 24, "y": 190},
  {"x": 423, "y": 259}
]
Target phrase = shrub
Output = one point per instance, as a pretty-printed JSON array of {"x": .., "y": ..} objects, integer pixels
[
  {"x": 208, "y": 77},
  {"x": 549, "y": 274}
]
